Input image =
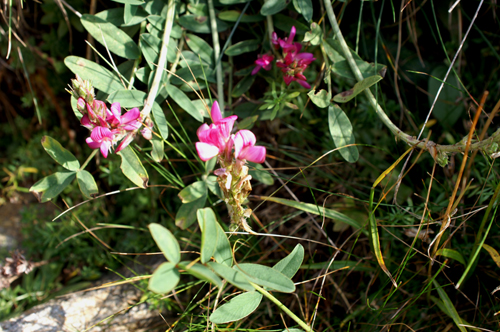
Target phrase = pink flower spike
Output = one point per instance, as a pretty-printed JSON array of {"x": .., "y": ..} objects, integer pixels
[
  {"x": 102, "y": 138},
  {"x": 255, "y": 154},
  {"x": 85, "y": 121},
  {"x": 206, "y": 151}
]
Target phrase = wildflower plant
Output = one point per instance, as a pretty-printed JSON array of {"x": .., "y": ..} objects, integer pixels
[{"x": 167, "y": 76}]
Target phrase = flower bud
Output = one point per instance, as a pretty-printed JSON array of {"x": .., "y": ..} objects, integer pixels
[{"x": 81, "y": 105}]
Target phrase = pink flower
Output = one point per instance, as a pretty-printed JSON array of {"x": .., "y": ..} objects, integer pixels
[
  {"x": 216, "y": 138},
  {"x": 245, "y": 148},
  {"x": 129, "y": 120},
  {"x": 101, "y": 138},
  {"x": 263, "y": 61},
  {"x": 293, "y": 66}
]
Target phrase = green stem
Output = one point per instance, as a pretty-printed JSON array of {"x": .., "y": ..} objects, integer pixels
[
  {"x": 493, "y": 200},
  {"x": 218, "y": 65},
  {"x": 148, "y": 104},
  {"x": 302, "y": 324},
  {"x": 411, "y": 140},
  {"x": 88, "y": 159}
]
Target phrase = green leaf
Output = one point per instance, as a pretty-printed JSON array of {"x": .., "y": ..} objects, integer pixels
[
  {"x": 367, "y": 69},
  {"x": 158, "y": 23},
  {"x": 193, "y": 192},
  {"x": 241, "y": 47},
  {"x": 449, "y": 107},
  {"x": 233, "y": 15},
  {"x": 243, "y": 85},
  {"x": 164, "y": 279},
  {"x": 200, "y": 24},
  {"x": 247, "y": 123},
  {"x": 74, "y": 102},
  {"x": 114, "y": 16},
  {"x": 117, "y": 41},
  {"x": 291, "y": 263},
  {"x": 62, "y": 156},
  {"x": 315, "y": 35},
  {"x": 158, "y": 150},
  {"x": 129, "y": 11},
  {"x": 267, "y": 277},
  {"x": 451, "y": 253},
  {"x": 292, "y": 330},
  {"x": 321, "y": 99},
  {"x": 318, "y": 210},
  {"x": 52, "y": 185},
  {"x": 237, "y": 308},
  {"x": 167, "y": 242},
  {"x": 359, "y": 87},
  {"x": 101, "y": 78},
  {"x": 285, "y": 23},
  {"x": 234, "y": 277},
  {"x": 189, "y": 74},
  {"x": 151, "y": 49},
  {"x": 208, "y": 226},
  {"x": 305, "y": 8},
  {"x": 223, "y": 253},
  {"x": 200, "y": 47},
  {"x": 87, "y": 184},
  {"x": 201, "y": 272},
  {"x": 213, "y": 186},
  {"x": 132, "y": 167},
  {"x": 260, "y": 174},
  {"x": 448, "y": 308},
  {"x": 272, "y": 7},
  {"x": 160, "y": 120},
  {"x": 341, "y": 131},
  {"x": 184, "y": 102},
  {"x": 128, "y": 98},
  {"x": 186, "y": 215}
]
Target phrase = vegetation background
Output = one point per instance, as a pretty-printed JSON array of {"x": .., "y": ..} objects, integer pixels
[{"x": 415, "y": 41}]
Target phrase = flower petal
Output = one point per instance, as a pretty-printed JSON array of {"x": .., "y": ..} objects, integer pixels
[
  {"x": 256, "y": 69},
  {"x": 243, "y": 138},
  {"x": 206, "y": 151},
  {"x": 215, "y": 112},
  {"x": 85, "y": 121},
  {"x": 93, "y": 145},
  {"x": 105, "y": 147},
  {"x": 125, "y": 142},
  {"x": 255, "y": 154},
  {"x": 203, "y": 127}
]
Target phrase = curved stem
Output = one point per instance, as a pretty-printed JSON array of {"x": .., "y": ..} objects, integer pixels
[
  {"x": 411, "y": 140},
  {"x": 302, "y": 324},
  {"x": 148, "y": 104}
]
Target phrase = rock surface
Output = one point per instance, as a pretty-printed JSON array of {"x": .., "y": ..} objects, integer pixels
[{"x": 112, "y": 309}]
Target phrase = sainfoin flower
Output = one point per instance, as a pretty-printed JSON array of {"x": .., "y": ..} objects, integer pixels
[
  {"x": 107, "y": 126},
  {"x": 233, "y": 178},
  {"x": 292, "y": 64},
  {"x": 215, "y": 139}
]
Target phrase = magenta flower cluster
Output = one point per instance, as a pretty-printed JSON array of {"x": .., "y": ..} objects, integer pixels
[
  {"x": 293, "y": 62},
  {"x": 233, "y": 177},
  {"x": 217, "y": 140},
  {"x": 107, "y": 126}
]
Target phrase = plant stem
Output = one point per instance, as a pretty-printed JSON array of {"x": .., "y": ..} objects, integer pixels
[
  {"x": 302, "y": 324},
  {"x": 218, "y": 65},
  {"x": 88, "y": 160},
  {"x": 148, "y": 104},
  {"x": 410, "y": 140}
]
